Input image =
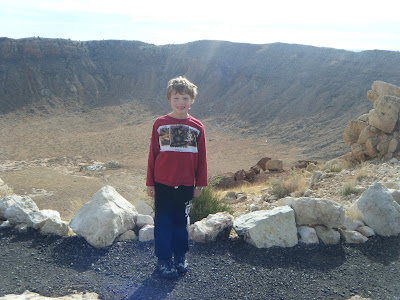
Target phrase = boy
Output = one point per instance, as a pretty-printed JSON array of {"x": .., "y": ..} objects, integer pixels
[{"x": 176, "y": 173}]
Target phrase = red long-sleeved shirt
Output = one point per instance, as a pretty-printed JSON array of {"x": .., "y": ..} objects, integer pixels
[{"x": 177, "y": 153}]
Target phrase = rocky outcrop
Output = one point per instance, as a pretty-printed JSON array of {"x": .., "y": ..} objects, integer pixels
[{"x": 376, "y": 134}]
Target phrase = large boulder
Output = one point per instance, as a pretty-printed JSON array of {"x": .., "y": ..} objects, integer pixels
[
  {"x": 312, "y": 211},
  {"x": 215, "y": 226},
  {"x": 24, "y": 203},
  {"x": 377, "y": 209},
  {"x": 380, "y": 88},
  {"x": 385, "y": 114},
  {"x": 18, "y": 210},
  {"x": 104, "y": 218},
  {"x": 274, "y": 165},
  {"x": 268, "y": 228}
]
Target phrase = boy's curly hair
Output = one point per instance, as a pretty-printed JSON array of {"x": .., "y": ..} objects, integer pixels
[{"x": 181, "y": 85}]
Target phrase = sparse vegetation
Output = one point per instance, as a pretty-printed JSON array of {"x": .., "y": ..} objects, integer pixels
[
  {"x": 296, "y": 184},
  {"x": 278, "y": 189},
  {"x": 207, "y": 203},
  {"x": 361, "y": 174},
  {"x": 348, "y": 189}
]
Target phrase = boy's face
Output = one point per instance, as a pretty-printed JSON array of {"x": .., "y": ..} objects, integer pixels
[{"x": 180, "y": 104}]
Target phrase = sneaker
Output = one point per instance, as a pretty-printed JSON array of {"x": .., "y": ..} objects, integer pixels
[
  {"x": 181, "y": 264},
  {"x": 166, "y": 268}
]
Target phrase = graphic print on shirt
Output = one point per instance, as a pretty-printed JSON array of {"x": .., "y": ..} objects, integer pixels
[{"x": 178, "y": 138}]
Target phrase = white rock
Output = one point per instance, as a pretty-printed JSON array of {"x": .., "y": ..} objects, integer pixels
[
  {"x": 377, "y": 209},
  {"x": 143, "y": 220},
  {"x": 146, "y": 233},
  {"x": 127, "y": 236},
  {"x": 267, "y": 228},
  {"x": 27, "y": 295},
  {"x": 55, "y": 227},
  {"x": 308, "y": 235},
  {"x": 39, "y": 218},
  {"x": 366, "y": 231},
  {"x": 349, "y": 224},
  {"x": 395, "y": 194},
  {"x": 327, "y": 235},
  {"x": 103, "y": 218},
  {"x": 358, "y": 222},
  {"x": 353, "y": 237},
  {"x": 312, "y": 211},
  {"x": 254, "y": 207},
  {"x": 215, "y": 226},
  {"x": 142, "y": 207},
  {"x": 5, "y": 224},
  {"x": 25, "y": 203}
]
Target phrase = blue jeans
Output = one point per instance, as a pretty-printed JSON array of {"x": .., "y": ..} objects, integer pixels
[{"x": 172, "y": 207}]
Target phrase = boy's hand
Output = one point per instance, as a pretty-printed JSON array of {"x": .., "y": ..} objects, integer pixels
[
  {"x": 150, "y": 191},
  {"x": 197, "y": 192}
]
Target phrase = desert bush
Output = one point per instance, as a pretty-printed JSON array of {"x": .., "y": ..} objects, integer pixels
[
  {"x": 334, "y": 166},
  {"x": 349, "y": 189},
  {"x": 361, "y": 174},
  {"x": 277, "y": 188},
  {"x": 207, "y": 203},
  {"x": 296, "y": 184}
]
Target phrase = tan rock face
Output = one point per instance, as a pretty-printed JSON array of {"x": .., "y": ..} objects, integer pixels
[
  {"x": 385, "y": 114},
  {"x": 380, "y": 88},
  {"x": 376, "y": 134},
  {"x": 353, "y": 130}
]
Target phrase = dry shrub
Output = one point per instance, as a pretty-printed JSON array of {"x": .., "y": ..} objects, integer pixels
[
  {"x": 334, "y": 166},
  {"x": 348, "y": 189},
  {"x": 361, "y": 174},
  {"x": 296, "y": 184},
  {"x": 277, "y": 188}
]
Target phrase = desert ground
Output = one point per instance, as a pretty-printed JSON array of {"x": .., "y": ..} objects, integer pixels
[{"x": 45, "y": 155}]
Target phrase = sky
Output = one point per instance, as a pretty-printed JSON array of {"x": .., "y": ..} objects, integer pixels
[{"x": 341, "y": 24}]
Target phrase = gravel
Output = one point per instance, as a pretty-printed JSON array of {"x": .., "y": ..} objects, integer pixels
[{"x": 56, "y": 266}]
